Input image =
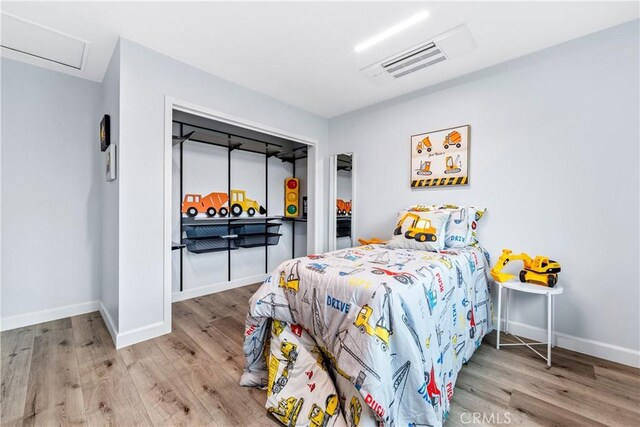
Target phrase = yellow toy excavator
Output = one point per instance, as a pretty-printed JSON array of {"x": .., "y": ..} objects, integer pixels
[
  {"x": 539, "y": 270},
  {"x": 420, "y": 229}
]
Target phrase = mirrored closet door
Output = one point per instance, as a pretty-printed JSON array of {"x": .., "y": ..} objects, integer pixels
[{"x": 342, "y": 192}]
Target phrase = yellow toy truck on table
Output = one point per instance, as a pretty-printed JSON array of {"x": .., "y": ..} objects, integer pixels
[{"x": 539, "y": 270}]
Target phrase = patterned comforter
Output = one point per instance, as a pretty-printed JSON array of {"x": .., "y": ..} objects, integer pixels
[{"x": 387, "y": 329}]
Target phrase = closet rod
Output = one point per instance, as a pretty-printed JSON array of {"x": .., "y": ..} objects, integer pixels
[{"x": 229, "y": 134}]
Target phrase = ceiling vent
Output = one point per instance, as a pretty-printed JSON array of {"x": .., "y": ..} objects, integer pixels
[
  {"x": 449, "y": 45},
  {"x": 37, "y": 41}
]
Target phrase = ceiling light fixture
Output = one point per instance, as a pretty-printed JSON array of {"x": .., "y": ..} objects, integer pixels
[{"x": 420, "y": 16}]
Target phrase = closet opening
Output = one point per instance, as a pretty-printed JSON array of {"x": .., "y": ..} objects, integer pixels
[{"x": 239, "y": 204}]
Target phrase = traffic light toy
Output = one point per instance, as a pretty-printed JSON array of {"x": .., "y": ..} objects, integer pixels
[{"x": 291, "y": 197}]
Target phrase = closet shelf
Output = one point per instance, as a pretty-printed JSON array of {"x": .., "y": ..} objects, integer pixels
[
  {"x": 296, "y": 219},
  {"x": 195, "y": 133},
  {"x": 222, "y": 220}
]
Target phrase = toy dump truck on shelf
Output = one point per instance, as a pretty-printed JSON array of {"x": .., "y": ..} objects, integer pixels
[
  {"x": 216, "y": 203},
  {"x": 343, "y": 207}
]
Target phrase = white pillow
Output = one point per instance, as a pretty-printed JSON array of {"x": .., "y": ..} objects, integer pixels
[
  {"x": 459, "y": 230},
  {"x": 423, "y": 231}
]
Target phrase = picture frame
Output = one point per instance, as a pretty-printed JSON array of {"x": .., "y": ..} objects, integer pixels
[
  {"x": 110, "y": 164},
  {"x": 105, "y": 132},
  {"x": 440, "y": 157}
]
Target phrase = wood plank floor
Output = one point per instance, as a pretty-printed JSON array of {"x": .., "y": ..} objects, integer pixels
[{"x": 68, "y": 372}]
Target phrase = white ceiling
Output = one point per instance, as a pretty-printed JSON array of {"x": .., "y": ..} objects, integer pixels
[{"x": 302, "y": 52}]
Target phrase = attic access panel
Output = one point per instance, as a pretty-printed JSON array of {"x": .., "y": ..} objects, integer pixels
[{"x": 46, "y": 44}]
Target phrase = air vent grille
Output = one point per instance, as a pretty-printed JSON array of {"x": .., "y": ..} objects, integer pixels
[
  {"x": 419, "y": 58},
  {"x": 444, "y": 47}
]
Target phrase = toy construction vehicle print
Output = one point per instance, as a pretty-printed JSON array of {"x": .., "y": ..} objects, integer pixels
[
  {"x": 291, "y": 282},
  {"x": 451, "y": 166},
  {"x": 288, "y": 410},
  {"x": 452, "y": 139},
  {"x": 423, "y": 144},
  {"x": 440, "y": 157},
  {"x": 289, "y": 352},
  {"x": 382, "y": 329},
  {"x": 419, "y": 229},
  {"x": 425, "y": 168},
  {"x": 218, "y": 203},
  {"x": 319, "y": 417}
]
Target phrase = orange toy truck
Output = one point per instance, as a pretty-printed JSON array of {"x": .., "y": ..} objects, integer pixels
[
  {"x": 453, "y": 138},
  {"x": 343, "y": 207},
  {"x": 212, "y": 203},
  {"x": 216, "y": 203}
]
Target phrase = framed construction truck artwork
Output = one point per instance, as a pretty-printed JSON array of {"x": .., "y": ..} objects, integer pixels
[
  {"x": 440, "y": 157},
  {"x": 105, "y": 133}
]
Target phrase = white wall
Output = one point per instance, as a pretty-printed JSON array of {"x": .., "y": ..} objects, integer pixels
[
  {"x": 51, "y": 194},
  {"x": 110, "y": 199},
  {"x": 554, "y": 156},
  {"x": 146, "y": 78}
]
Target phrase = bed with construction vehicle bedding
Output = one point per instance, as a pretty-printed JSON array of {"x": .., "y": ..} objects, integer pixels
[{"x": 366, "y": 335}]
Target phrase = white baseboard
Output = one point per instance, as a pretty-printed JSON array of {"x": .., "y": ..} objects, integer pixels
[
  {"x": 134, "y": 336},
  {"x": 216, "y": 287},
  {"x": 35, "y": 317},
  {"x": 111, "y": 327},
  {"x": 615, "y": 353}
]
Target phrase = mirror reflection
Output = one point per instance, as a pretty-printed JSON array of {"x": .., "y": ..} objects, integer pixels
[{"x": 344, "y": 198}]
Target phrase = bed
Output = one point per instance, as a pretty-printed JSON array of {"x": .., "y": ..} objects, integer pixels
[{"x": 367, "y": 335}]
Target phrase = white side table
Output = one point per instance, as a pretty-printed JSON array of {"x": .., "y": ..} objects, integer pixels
[{"x": 530, "y": 289}]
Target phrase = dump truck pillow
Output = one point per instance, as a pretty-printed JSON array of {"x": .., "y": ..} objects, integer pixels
[
  {"x": 423, "y": 230},
  {"x": 461, "y": 226},
  {"x": 299, "y": 391}
]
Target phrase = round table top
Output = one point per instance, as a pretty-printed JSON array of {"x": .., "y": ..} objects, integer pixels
[{"x": 531, "y": 287}]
